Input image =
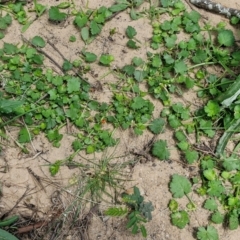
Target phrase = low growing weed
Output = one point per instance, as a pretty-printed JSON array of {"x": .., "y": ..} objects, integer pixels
[
  {"x": 137, "y": 211},
  {"x": 45, "y": 102}
]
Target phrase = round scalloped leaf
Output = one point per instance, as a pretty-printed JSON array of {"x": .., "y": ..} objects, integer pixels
[
  {"x": 38, "y": 42},
  {"x": 180, "y": 219},
  {"x": 226, "y": 38}
]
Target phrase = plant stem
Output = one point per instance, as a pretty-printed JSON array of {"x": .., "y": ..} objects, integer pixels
[{"x": 201, "y": 64}]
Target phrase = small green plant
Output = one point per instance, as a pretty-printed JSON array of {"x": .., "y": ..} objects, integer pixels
[
  {"x": 5, "y": 22},
  {"x": 131, "y": 33},
  {"x": 56, "y": 15},
  {"x": 180, "y": 186},
  {"x": 208, "y": 233},
  {"x": 137, "y": 211},
  {"x": 106, "y": 59}
]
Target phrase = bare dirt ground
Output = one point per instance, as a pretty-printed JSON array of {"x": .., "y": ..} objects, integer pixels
[{"x": 20, "y": 190}]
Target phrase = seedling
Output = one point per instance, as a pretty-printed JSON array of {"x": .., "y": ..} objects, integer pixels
[
  {"x": 180, "y": 186},
  {"x": 5, "y": 22},
  {"x": 137, "y": 211}
]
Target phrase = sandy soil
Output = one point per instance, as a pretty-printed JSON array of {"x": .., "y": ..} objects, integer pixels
[{"x": 152, "y": 177}]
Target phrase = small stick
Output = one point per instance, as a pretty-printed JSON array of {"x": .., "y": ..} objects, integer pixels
[
  {"x": 56, "y": 49},
  {"x": 43, "y": 52},
  {"x": 32, "y": 227},
  {"x": 36, "y": 177}
]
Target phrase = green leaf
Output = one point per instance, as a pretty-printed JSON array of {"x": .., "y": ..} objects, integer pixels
[
  {"x": 63, "y": 5},
  {"x": 106, "y": 59},
  {"x": 72, "y": 113},
  {"x": 179, "y": 186},
  {"x": 137, "y": 61},
  {"x": 138, "y": 103},
  {"x": 139, "y": 75},
  {"x": 231, "y": 163},
  {"x": 2, "y": 35},
  {"x": 6, "y": 235},
  {"x": 191, "y": 156},
  {"x": 217, "y": 217},
  {"x": 40, "y": 9},
  {"x": 210, "y": 204},
  {"x": 233, "y": 221},
  {"x": 206, "y": 127},
  {"x": 180, "y": 219},
  {"x": 189, "y": 83},
  {"x": 160, "y": 150},
  {"x": 171, "y": 41},
  {"x": 200, "y": 56},
  {"x": 38, "y": 42},
  {"x": 90, "y": 57},
  {"x": 9, "y": 105},
  {"x": 77, "y": 145},
  {"x": 128, "y": 69},
  {"x": 215, "y": 188},
  {"x": 54, "y": 168},
  {"x": 194, "y": 16},
  {"x": 72, "y": 38},
  {"x": 24, "y": 136},
  {"x": 234, "y": 20},
  {"x": 156, "y": 61},
  {"x": 131, "y": 32},
  {"x": 210, "y": 174},
  {"x": 166, "y": 3},
  {"x": 85, "y": 34},
  {"x": 9, "y": 48},
  {"x": 157, "y": 125},
  {"x": 209, "y": 233},
  {"x": 67, "y": 66},
  {"x": 95, "y": 28},
  {"x": 116, "y": 211},
  {"x": 134, "y": 15},
  {"x": 168, "y": 58},
  {"x": 183, "y": 145},
  {"x": 166, "y": 25},
  {"x": 5, "y": 21},
  {"x": 180, "y": 136},
  {"x": 143, "y": 231},
  {"x": 73, "y": 85},
  {"x": 56, "y": 15},
  {"x": 173, "y": 121},
  {"x": 173, "y": 205},
  {"x": 146, "y": 209},
  {"x": 180, "y": 67},
  {"x": 54, "y": 135},
  {"x": 118, "y": 7},
  {"x": 80, "y": 21},
  {"x": 226, "y": 38},
  {"x": 90, "y": 149},
  {"x": 132, "y": 44},
  {"x": 137, "y": 3},
  {"x": 212, "y": 108}
]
